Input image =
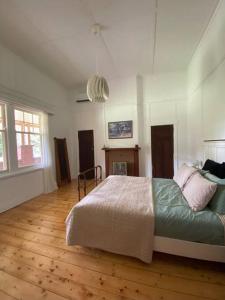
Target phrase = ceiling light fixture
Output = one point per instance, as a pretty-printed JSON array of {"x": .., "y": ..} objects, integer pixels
[{"x": 97, "y": 86}]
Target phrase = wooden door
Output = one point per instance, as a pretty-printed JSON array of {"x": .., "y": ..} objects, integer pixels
[
  {"x": 86, "y": 151},
  {"x": 162, "y": 151}
]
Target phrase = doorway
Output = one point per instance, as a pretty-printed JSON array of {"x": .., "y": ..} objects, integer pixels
[
  {"x": 162, "y": 142},
  {"x": 86, "y": 152}
]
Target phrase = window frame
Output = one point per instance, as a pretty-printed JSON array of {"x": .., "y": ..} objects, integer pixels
[
  {"x": 3, "y": 105},
  {"x": 31, "y": 111},
  {"x": 11, "y": 143}
]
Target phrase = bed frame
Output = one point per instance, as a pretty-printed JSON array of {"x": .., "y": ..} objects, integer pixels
[
  {"x": 189, "y": 249},
  {"x": 163, "y": 244},
  {"x": 82, "y": 180}
]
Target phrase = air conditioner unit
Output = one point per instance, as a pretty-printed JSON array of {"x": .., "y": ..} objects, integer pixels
[{"x": 82, "y": 98}]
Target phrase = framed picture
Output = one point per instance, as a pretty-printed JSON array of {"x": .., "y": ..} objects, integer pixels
[{"x": 120, "y": 130}]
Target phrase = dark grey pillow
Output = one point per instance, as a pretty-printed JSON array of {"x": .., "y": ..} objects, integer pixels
[
  {"x": 215, "y": 168},
  {"x": 221, "y": 171}
]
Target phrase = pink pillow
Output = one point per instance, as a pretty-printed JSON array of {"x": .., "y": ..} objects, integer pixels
[
  {"x": 198, "y": 192},
  {"x": 183, "y": 174}
]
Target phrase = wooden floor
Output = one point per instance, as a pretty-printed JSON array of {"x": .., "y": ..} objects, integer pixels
[{"x": 35, "y": 263}]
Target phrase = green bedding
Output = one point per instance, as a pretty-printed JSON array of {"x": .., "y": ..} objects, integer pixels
[{"x": 174, "y": 218}]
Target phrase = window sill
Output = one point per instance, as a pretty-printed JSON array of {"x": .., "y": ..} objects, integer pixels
[{"x": 6, "y": 175}]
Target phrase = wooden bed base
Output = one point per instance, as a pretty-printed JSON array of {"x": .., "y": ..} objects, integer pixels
[{"x": 189, "y": 249}]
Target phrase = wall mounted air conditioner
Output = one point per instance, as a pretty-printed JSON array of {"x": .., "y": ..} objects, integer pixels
[{"x": 82, "y": 98}]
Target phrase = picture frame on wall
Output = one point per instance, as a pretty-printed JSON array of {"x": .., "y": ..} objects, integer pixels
[{"x": 120, "y": 130}]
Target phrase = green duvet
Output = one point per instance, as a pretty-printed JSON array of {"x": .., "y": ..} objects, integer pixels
[{"x": 174, "y": 218}]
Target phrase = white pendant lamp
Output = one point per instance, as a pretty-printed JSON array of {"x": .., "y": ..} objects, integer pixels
[{"x": 97, "y": 86}]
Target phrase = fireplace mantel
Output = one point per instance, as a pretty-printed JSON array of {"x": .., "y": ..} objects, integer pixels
[{"x": 129, "y": 155}]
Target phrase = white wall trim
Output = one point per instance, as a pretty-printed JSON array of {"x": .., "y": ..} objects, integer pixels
[
  {"x": 175, "y": 99},
  {"x": 16, "y": 97},
  {"x": 200, "y": 45},
  {"x": 213, "y": 150},
  {"x": 206, "y": 30},
  {"x": 5, "y": 175},
  {"x": 207, "y": 76}
]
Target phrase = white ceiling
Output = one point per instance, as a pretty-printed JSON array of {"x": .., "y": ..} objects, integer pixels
[{"x": 55, "y": 35}]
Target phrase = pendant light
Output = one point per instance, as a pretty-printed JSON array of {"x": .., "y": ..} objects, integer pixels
[{"x": 97, "y": 86}]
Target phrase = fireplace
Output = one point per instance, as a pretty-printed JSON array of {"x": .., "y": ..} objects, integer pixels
[
  {"x": 119, "y": 168},
  {"x": 122, "y": 161}
]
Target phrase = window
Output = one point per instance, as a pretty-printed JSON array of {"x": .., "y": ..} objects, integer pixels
[
  {"x": 20, "y": 138},
  {"x": 3, "y": 156},
  {"x": 28, "y": 137}
]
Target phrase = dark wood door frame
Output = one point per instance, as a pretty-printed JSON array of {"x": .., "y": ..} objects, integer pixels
[
  {"x": 162, "y": 150},
  {"x": 86, "y": 157}
]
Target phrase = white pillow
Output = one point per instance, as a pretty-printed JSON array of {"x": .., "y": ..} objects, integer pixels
[
  {"x": 198, "y": 192},
  {"x": 183, "y": 174}
]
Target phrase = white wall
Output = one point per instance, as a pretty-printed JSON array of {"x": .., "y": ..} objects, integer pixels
[
  {"x": 19, "y": 77},
  {"x": 17, "y": 189},
  {"x": 121, "y": 106},
  {"x": 206, "y": 88},
  {"x": 152, "y": 100},
  {"x": 149, "y": 100},
  {"x": 164, "y": 101}
]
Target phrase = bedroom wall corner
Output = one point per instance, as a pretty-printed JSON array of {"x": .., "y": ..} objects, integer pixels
[
  {"x": 159, "y": 99},
  {"x": 206, "y": 89},
  {"x": 165, "y": 102},
  {"x": 121, "y": 106},
  {"x": 18, "y": 77}
]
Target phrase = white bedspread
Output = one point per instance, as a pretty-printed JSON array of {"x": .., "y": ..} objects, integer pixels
[{"x": 117, "y": 216}]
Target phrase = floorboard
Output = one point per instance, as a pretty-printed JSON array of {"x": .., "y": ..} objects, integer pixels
[{"x": 35, "y": 262}]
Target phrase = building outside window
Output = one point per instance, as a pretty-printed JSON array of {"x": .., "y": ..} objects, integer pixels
[{"x": 28, "y": 137}]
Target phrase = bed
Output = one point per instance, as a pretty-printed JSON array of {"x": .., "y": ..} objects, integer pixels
[
  {"x": 191, "y": 234},
  {"x": 148, "y": 215}
]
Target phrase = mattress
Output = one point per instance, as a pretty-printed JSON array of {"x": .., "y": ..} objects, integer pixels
[
  {"x": 112, "y": 218},
  {"x": 174, "y": 218}
]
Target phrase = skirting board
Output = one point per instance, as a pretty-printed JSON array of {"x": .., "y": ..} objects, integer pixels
[{"x": 189, "y": 249}]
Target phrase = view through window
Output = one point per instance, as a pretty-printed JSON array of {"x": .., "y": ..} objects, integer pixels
[
  {"x": 28, "y": 137},
  {"x": 3, "y": 156}
]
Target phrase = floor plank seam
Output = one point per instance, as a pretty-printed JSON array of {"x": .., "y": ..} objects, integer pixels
[
  {"x": 107, "y": 260},
  {"x": 136, "y": 282},
  {"x": 66, "y": 279},
  {"x": 32, "y": 238}
]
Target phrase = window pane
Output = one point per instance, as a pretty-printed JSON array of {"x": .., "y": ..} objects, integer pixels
[
  {"x": 2, "y": 121},
  {"x": 19, "y": 139},
  {"x": 27, "y": 121},
  {"x": 25, "y": 139},
  {"x": 36, "y": 130},
  {"x": 28, "y": 128},
  {"x": 18, "y": 115},
  {"x": 3, "y": 164},
  {"x": 36, "y": 119},
  {"x": 28, "y": 149},
  {"x": 27, "y": 117},
  {"x": 35, "y": 140},
  {"x": 18, "y": 128}
]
